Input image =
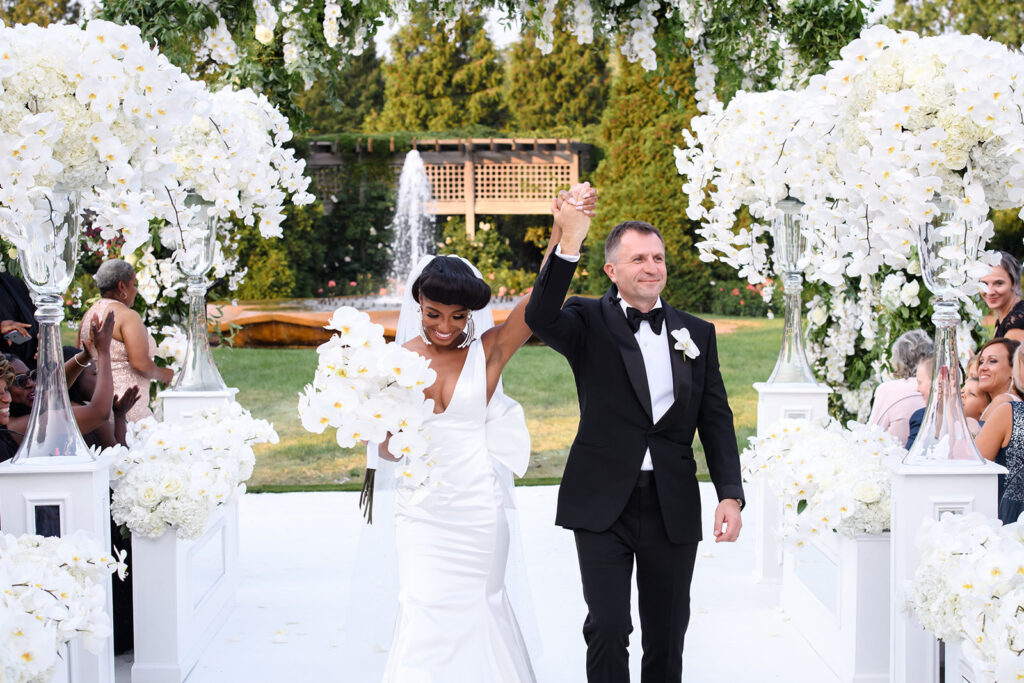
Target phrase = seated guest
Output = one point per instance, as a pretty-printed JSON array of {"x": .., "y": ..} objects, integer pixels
[
  {"x": 975, "y": 402},
  {"x": 133, "y": 348},
  {"x": 8, "y": 444},
  {"x": 923, "y": 377},
  {"x": 88, "y": 416},
  {"x": 971, "y": 371},
  {"x": 1003, "y": 296},
  {"x": 1002, "y": 439},
  {"x": 897, "y": 399},
  {"x": 995, "y": 372},
  {"x": 113, "y": 431},
  {"x": 18, "y": 313}
]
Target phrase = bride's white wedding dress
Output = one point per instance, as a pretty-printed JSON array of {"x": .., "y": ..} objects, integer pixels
[{"x": 455, "y": 622}]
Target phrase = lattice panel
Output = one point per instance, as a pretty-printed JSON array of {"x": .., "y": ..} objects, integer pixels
[
  {"x": 520, "y": 181},
  {"x": 329, "y": 181},
  {"x": 447, "y": 182}
]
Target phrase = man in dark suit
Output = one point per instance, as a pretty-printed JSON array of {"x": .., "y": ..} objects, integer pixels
[{"x": 647, "y": 378}]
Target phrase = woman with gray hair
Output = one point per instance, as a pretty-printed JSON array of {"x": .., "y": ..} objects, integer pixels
[
  {"x": 897, "y": 399},
  {"x": 1003, "y": 296},
  {"x": 133, "y": 348}
]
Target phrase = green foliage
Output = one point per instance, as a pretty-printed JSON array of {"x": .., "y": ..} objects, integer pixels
[
  {"x": 739, "y": 297},
  {"x": 490, "y": 251},
  {"x": 1000, "y": 21},
  {"x": 637, "y": 179},
  {"x": 41, "y": 12},
  {"x": 436, "y": 81},
  {"x": 356, "y": 89},
  {"x": 559, "y": 93},
  {"x": 269, "y": 276}
]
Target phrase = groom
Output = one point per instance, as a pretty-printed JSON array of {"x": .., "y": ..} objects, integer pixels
[{"x": 647, "y": 377}]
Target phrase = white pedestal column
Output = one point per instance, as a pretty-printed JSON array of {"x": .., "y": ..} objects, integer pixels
[
  {"x": 184, "y": 591},
  {"x": 922, "y": 492},
  {"x": 57, "y": 497},
  {"x": 836, "y": 590},
  {"x": 185, "y": 405},
  {"x": 775, "y": 402}
]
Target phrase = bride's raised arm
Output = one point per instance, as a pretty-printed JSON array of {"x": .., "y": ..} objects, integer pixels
[{"x": 572, "y": 212}]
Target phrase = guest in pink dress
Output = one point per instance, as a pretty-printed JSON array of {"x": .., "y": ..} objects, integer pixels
[
  {"x": 133, "y": 348},
  {"x": 897, "y": 399}
]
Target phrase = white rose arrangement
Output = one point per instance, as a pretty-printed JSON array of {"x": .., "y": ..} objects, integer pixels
[
  {"x": 969, "y": 586},
  {"x": 174, "y": 475},
  {"x": 51, "y": 592},
  {"x": 829, "y": 478},
  {"x": 367, "y": 388}
]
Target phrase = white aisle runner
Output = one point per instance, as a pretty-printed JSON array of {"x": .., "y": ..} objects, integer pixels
[{"x": 297, "y": 552}]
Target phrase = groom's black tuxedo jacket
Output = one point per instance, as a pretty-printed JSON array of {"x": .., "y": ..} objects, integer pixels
[{"x": 616, "y": 424}]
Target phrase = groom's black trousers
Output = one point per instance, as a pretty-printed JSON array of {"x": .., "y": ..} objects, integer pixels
[{"x": 664, "y": 570}]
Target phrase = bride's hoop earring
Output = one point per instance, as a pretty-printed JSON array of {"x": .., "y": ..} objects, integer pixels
[
  {"x": 423, "y": 332},
  {"x": 468, "y": 332}
]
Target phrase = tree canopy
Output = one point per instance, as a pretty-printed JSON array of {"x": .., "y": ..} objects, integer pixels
[{"x": 438, "y": 81}]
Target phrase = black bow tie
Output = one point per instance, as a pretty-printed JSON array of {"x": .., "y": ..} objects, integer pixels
[{"x": 655, "y": 317}]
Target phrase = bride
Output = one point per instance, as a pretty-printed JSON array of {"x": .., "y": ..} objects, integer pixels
[{"x": 455, "y": 621}]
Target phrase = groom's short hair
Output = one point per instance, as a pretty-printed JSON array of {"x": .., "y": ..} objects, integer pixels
[{"x": 611, "y": 244}]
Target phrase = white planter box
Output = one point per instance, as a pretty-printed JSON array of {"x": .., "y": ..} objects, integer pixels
[
  {"x": 183, "y": 593},
  {"x": 837, "y": 592}
]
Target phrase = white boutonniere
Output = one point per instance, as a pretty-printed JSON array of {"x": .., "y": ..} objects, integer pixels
[{"x": 684, "y": 343}]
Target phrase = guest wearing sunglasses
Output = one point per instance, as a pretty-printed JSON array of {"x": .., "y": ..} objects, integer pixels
[
  {"x": 88, "y": 416},
  {"x": 8, "y": 444}
]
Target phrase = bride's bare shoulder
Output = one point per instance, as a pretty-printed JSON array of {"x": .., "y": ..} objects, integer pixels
[{"x": 416, "y": 344}]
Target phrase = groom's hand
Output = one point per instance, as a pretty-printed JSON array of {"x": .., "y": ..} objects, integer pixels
[
  {"x": 727, "y": 521},
  {"x": 572, "y": 211}
]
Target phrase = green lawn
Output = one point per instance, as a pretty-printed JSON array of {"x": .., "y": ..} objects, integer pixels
[{"x": 269, "y": 381}]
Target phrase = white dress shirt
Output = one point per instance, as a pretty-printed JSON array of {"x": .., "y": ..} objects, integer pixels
[{"x": 658, "y": 364}]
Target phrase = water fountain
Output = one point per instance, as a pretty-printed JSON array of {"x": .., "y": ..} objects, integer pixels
[{"x": 412, "y": 229}]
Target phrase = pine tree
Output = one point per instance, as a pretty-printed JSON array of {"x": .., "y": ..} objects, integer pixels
[
  {"x": 559, "y": 93},
  {"x": 358, "y": 89},
  {"x": 439, "y": 82},
  {"x": 637, "y": 179}
]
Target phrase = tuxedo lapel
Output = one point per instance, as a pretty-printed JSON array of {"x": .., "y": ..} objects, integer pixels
[
  {"x": 682, "y": 367},
  {"x": 616, "y": 323}
]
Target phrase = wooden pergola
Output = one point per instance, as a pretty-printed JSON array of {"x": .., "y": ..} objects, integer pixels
[{"x": 476, "y": 176}]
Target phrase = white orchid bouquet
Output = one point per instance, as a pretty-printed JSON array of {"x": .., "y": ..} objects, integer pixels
[
  {"x": 869, "y": 147},
  {"x": 174, "y": 475},
  {"x": 94, "y": 109},
  {"x": 366, "y": 389},
  {"x": 172, "y": 347},
  {"x": 51, "y": 591},
  {"x": 829, "y": 478},
  {"x": 969, "y": 586}
]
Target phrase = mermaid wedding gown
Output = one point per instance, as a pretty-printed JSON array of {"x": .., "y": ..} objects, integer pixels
[{"x": 455, "y": 621}]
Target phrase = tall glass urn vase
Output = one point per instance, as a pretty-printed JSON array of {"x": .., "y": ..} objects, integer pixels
[
  {"x": 944, "y": 435},
  {"x": 791, "y": 257},
  {"x": 195, "y": 242},
  {"x": 48, "y": 255}
]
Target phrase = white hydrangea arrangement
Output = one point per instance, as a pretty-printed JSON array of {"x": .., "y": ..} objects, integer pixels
[
  {"x": 868, "y": 146},
  {"x": 367, "y": 388},
  {"x": 174, "y": 475},
  {"x": 829, "y": 478},
  {"x": 969, "y": 587},
  {"x": 51, "y": 591}
]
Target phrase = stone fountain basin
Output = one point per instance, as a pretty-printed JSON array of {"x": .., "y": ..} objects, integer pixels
[{"x": 295, "y": 322}]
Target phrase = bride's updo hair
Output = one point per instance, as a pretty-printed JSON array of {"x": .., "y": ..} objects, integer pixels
[{"x": 449, "y": 280}]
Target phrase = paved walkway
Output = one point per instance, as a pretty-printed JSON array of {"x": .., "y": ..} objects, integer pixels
[{"x": 297, "y": 551}]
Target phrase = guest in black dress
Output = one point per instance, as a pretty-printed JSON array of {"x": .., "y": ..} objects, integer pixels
[
  {"x": 17, "y": 312},
  {"x": 1003, "y": 296},
  {"x": 1002, "y": 439}
]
